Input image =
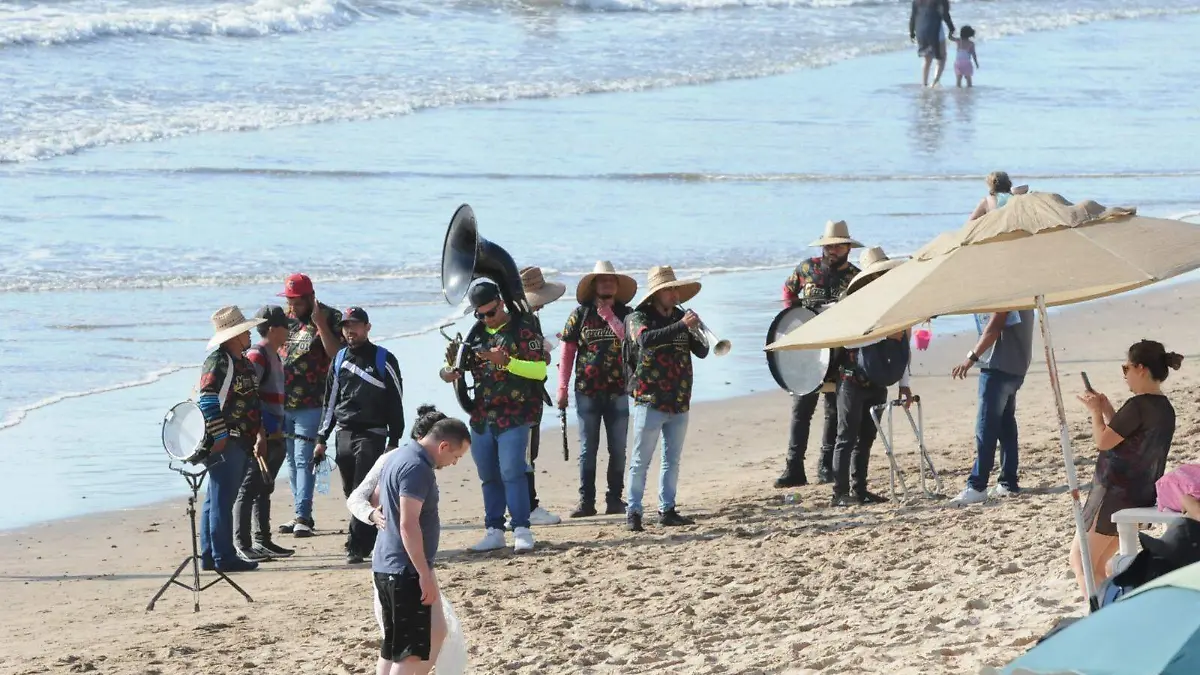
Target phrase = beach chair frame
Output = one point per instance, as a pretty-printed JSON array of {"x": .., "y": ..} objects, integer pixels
[{"x": 887, "y": 437}]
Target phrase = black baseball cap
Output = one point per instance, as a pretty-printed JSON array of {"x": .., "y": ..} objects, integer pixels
[
  {"x": 355, "y": 314},
  {"x": 483, "y": 293},
  {"x": 274, "y": 317}
]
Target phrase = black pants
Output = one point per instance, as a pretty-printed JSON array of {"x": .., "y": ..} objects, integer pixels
[
  {"x": 856, "y": 433},
  {"x": 253, "y": 503},
  {"x": 803, "y": 408},
  {"x": 535, "y": 437},
  {"x": 357, "y": 452}
]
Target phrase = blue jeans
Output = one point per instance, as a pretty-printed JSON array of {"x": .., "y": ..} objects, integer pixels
[
  {"x": 613, "y": 410},
  {"x": 304, "y": 422},
  {"x": 648, "y": 425},
  {"x": 500, "y": 461},
  {"x": 997, "y": 422},
  {"x": 225, "y": 473}
]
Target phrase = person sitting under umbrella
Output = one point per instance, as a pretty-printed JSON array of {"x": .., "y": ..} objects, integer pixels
[{"x": 1133, "y": 444}]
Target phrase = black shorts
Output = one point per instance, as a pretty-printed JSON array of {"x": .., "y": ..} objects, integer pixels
[{"x": 406, "y": 622}]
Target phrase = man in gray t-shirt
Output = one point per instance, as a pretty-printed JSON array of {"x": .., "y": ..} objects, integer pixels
[
  {"x": 1005, "y": 350},
  {"x": 413, "y": 625}
]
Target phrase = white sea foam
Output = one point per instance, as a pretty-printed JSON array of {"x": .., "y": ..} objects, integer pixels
[
  {"x": 51, "y": 138},
  {"x": 55, "y": 24},
  {"x": 18, "y": 415}
]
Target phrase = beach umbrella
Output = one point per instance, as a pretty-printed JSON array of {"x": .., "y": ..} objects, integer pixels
[
  {"x": 1153, "y": 631},
  {"x": 1038, "y": 251}
]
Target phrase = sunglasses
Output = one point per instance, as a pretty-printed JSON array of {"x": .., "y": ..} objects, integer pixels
[
  {"x": 488, "y": 314},
  {"x": 1125, "y": 368}
]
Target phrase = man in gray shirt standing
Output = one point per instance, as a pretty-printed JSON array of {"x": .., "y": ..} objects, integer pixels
[
  {"x": 1009, "y": 335},
  {"x": 413, "y": 624}
]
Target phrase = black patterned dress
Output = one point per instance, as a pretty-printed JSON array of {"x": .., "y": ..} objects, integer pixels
[{"x": 1125, "y": 475}]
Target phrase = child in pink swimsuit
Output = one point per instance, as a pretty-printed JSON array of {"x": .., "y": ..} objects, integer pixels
[{"x": 962, "y": 58}]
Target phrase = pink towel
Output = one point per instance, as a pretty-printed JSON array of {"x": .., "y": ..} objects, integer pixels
[{"x": 1184, "y": 480}]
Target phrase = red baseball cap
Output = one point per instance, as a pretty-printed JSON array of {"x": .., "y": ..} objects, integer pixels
[{"x": 297, "y": 286}]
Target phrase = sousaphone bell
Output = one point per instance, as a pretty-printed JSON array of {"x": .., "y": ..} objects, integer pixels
[{"x": 466, "y": 257}]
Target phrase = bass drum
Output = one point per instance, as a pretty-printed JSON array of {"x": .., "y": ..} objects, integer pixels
[
  {"x": 797, "y": 371},
  {"x": 184, "y": 434}
]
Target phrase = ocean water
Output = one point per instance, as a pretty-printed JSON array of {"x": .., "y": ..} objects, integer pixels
[{"x": 161, "y": 159}]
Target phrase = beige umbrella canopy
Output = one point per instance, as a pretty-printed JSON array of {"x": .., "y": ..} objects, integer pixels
[
  {"x": 1037, "y": 244},
  {"x": 1036, "y": 251}
]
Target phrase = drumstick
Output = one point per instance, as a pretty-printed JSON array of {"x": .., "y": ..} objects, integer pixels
[{"x": 262, "y": 465}]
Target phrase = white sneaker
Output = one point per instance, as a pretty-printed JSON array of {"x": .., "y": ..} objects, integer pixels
[
  {"x": 1002, "y": 491},
  {"x": 492, "y": 540},
  {"x": 969, "y": 496},
  {"x": 523, "y": 539},
  {"x": 540, "y": 516}
]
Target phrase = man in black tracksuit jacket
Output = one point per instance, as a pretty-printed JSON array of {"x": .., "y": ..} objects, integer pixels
[{"x": 363, "y": 399}]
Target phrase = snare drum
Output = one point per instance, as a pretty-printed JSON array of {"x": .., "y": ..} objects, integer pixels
[{"x": 184, "y": 434}]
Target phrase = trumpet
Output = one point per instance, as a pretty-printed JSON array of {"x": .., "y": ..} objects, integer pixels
[{"x": 719, "y": 347}]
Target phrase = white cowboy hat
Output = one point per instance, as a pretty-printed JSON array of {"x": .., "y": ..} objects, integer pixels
[
  {"x": 626, "y": 285},
  {"x": 228, "y": 323},
  {"x": 663, "y": 277},
  {"x": 538, "y": 291},
  {"x": 872, "y": 263},
  {"x": 836, "y": 233}
]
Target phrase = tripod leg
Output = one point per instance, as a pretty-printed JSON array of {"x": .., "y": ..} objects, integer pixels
[
  {"x": 150, "y": 607},
  {"x": 222, "y": 577},
  {"x": 195, "y": 555}
]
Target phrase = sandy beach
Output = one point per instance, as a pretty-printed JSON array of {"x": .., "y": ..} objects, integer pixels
[{"x": 761, "y": 584}]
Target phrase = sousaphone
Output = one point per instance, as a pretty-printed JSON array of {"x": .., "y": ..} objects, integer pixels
[{"x": 467, "y": 257}]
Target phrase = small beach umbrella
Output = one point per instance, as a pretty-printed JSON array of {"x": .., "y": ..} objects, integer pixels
[
  {"x": 1038, "y": 251},
  {"x": 1153, "y": 631}
]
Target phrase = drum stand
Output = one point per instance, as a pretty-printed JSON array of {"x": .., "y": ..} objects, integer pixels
[
  {"x": 194, "y": 480},
  {"x": 918, "y": 427}
]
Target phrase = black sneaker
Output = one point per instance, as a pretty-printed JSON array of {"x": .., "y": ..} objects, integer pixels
[
  {"x": 274, "y": 550},
  {"x": 584, "y": 511},
  {"x": 614, "y": 508},
  {"x": 866, "y": 497},
  {"x": 790, "y": 480},
  {"x": 354, "y": 559},
  {"x": 840, "y": 500},
  {"x": 633, "y": 522},
  {"x": 252, "y": 554},
  {"x": 238, "y": 565},
  {"x": 823, "y": 476},
  {"x": 673, "y": 519}
]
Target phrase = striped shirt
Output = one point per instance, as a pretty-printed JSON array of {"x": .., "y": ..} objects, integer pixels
[{"x": 268, "y": 368}]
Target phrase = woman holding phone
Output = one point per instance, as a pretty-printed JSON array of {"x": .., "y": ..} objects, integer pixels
[{"x": 1133, "y": 443}]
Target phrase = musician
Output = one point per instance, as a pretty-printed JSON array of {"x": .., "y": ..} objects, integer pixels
[
  {"x": 858, "y": 390},
  {"x": 313, "y": 339},
  {"x": 815, "y": 284},
  {"x": 592, "y": 341},
  {"x": 539, "y": 293},
  {"x": 509, "y": 369},
  {"x": 363, "y": 397},
  {"x": 232, "y": 413},
  {"x": 666, "y": 338},
  {"x": 254, "y": 497}
]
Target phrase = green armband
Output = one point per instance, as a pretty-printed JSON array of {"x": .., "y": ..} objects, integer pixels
[{"x": 530, "y": 370}]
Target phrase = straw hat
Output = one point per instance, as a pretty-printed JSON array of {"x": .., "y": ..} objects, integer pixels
[
  {"x": 538, "y": 291},
  {"x": 626, "y": 285},
  {"x": 662, "y": 278},
  {"x": 836, "y": 233},
  {"x": 228, "y": 323},
  {"x": 872, "y": 263}
]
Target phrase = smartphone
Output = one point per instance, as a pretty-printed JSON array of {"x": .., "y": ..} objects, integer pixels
[{"x": 1087, "y": 384}]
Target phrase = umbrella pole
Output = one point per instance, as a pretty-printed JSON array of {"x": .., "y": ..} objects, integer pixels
[{"x": 1068, "y": 456}]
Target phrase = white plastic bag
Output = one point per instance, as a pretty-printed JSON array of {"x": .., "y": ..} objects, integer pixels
[{"x": 452, "y": 659}]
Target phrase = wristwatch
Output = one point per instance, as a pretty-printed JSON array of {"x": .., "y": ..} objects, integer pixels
[{"x": 971, "y": 357}]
